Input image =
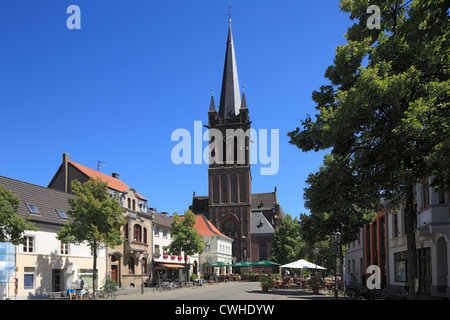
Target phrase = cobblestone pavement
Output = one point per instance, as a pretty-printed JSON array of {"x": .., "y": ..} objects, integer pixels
[{"x": 223, "y": 291}]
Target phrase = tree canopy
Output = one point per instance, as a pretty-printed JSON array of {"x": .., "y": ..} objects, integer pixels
[
  {"x": 12, "y": 225},
  {"x": 385, "y": 114},
  {"x": 96, "y": 218}
]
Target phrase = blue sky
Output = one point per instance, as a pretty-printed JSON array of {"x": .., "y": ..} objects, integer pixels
[{"x": 137, "y": 70}]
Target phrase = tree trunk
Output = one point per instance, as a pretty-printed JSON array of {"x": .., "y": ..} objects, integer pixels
[
  {"x": 411, "y": 243},
  {"x": 94, "y": 278}
]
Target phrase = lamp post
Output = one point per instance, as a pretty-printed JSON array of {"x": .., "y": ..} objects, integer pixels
[
  {"x": 336, "y": 239},
  {"x": 316, "y": 253},
  {"x": 144, "y": 257}
]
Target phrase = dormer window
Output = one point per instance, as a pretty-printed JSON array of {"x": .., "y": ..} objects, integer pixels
[
  {"x": 61, "y": 214},
  {"x": 32, "y": 208}
]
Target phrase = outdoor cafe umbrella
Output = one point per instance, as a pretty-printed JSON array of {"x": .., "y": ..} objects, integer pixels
[
  {"x": 242, "y": 264},
  {"x": 265, "y": 263},
  {"x": 302, "y": 263}
]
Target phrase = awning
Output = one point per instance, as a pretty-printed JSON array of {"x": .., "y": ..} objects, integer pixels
[{"x": 169, "y": 265}]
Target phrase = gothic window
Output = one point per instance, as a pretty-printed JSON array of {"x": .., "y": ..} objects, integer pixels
[
  {"x": 216, "y": 189},
  {"x": 224, "y": 189},
  {"x": 234, "y": 191},
  {"x": 229, "y": 229},
  {"x": 262, "y": 251}
]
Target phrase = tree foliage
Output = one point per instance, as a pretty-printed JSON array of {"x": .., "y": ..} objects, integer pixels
[
  {"x": 12, "y": 225},
  {"x": 96, "y": 218},
  {"x": 286, "y": 242},
  {"x": 385, "y": 116},
  {"x": 185, "y": 237}
]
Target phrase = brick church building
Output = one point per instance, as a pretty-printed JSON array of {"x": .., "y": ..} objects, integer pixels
[{"x": 248, "y": 218}]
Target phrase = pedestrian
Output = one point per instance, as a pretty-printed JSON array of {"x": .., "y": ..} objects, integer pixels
[{"x": 79, "y": 285}]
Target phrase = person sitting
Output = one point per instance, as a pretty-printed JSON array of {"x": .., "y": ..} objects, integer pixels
[{"x": 71, "y": 293}]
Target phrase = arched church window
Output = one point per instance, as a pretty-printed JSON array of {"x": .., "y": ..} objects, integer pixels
[
  {"x": 229, "y": 228},
  {"x": 224, "y": 189},
  {"x": 262, "y": 251},
  {"x": 234, "y": 191}
]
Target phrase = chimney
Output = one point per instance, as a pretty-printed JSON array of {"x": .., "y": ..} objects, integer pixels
[
  {"x": 66, "y": 171},
  {"x": 115, "y": 175}
]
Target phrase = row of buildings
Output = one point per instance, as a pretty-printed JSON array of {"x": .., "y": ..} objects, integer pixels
[
  {"x": 236, "y": 224},
  {"x": 43, "y": 264},
  {"x": 383, "y": 243}
]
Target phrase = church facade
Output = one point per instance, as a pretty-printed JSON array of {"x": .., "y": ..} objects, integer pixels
[{"x": 249, "y": 219}]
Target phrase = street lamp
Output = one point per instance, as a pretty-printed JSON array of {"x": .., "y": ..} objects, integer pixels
[
  {"x": 336, "y": 240},
  {"x": 144, "y": 257}
]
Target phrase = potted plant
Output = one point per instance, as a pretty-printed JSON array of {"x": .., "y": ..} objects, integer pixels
[
  {"x": 315, "y": 283},
  {"x": 266, "y": 283}
]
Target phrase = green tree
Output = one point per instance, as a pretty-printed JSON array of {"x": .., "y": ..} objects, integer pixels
[
  {"x": 286, "y": 241},
  {"x": 96, "y": 218},
  {"x": 185, "y": 237},
  {"x": 12, "y": 225},
  {"x": 386, "y": 113}
]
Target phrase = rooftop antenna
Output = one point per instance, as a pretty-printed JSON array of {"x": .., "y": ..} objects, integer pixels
[{"x": 99, "y": 164}]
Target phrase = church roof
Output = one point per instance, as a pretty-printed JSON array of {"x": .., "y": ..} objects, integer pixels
[
  {"x": 230, "y": 100},
  {"x": 260, "y": 225}
]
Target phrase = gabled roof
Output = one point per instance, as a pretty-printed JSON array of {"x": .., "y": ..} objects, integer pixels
[
  {"x": 260, "y": 225},
  {"x": 46, "y": 200},
  {"x": 113, "y": 183},
  {"x": 205, "y": 227},
  {"x": 162, "y": 219}
]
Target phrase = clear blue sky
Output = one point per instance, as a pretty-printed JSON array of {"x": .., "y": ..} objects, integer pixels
[{"x": 137, "y": 70}]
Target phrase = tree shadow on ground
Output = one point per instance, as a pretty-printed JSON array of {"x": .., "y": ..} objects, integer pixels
[{"x": 294, "y": 294}]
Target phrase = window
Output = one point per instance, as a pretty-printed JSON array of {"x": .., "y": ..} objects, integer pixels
[
  {"x": 64, "y": 248},
  {"x": 224, "y": 189},
  {"x": 156, "y": 231},
  {"x": 61, "y": 214},
  {"x": 130, "y": 265},
  {"x": 125, "y": 231},
  {"x": 426, "y": 194},
  {"x": 262, "y": 251},
  {"x": 137, "y": 233},
  {"x": 129, "y": 203},
  {"x": 134, "y": 205},
  {"x": 32, "y": 208},
  {"x": 395, "y": 217},
  {"x": 164, "y": 232},
  {"x": 28, "y": 244},
  {"x": 145, "y": 235},
  {"x": 28, "y": 278},
  {"x": 157, "y": 250},
  {"x": 234, "y": 191},
  {"x": 401, "y": 266}
]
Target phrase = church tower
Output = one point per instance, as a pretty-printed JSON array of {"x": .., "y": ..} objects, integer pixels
[{"x": 229, "y": 176}]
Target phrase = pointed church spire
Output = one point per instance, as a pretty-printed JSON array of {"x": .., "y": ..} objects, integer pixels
[
  {"x": 212, "y": 105},
  {"x": 230, "y": 100},
  {"x": 243, "y": 102}
]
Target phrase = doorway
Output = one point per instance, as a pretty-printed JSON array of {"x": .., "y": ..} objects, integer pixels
[
  {"x": 57, "y": 276},
  {"x": 424, "y": 256}
]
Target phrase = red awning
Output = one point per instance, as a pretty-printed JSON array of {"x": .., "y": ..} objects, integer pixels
[{"x": 169, "y": 265}]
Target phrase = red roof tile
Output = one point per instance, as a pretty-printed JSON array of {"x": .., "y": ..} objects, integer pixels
[
  {"x": 113, "y": 183},
  {"x": 205, "y": 227}
]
